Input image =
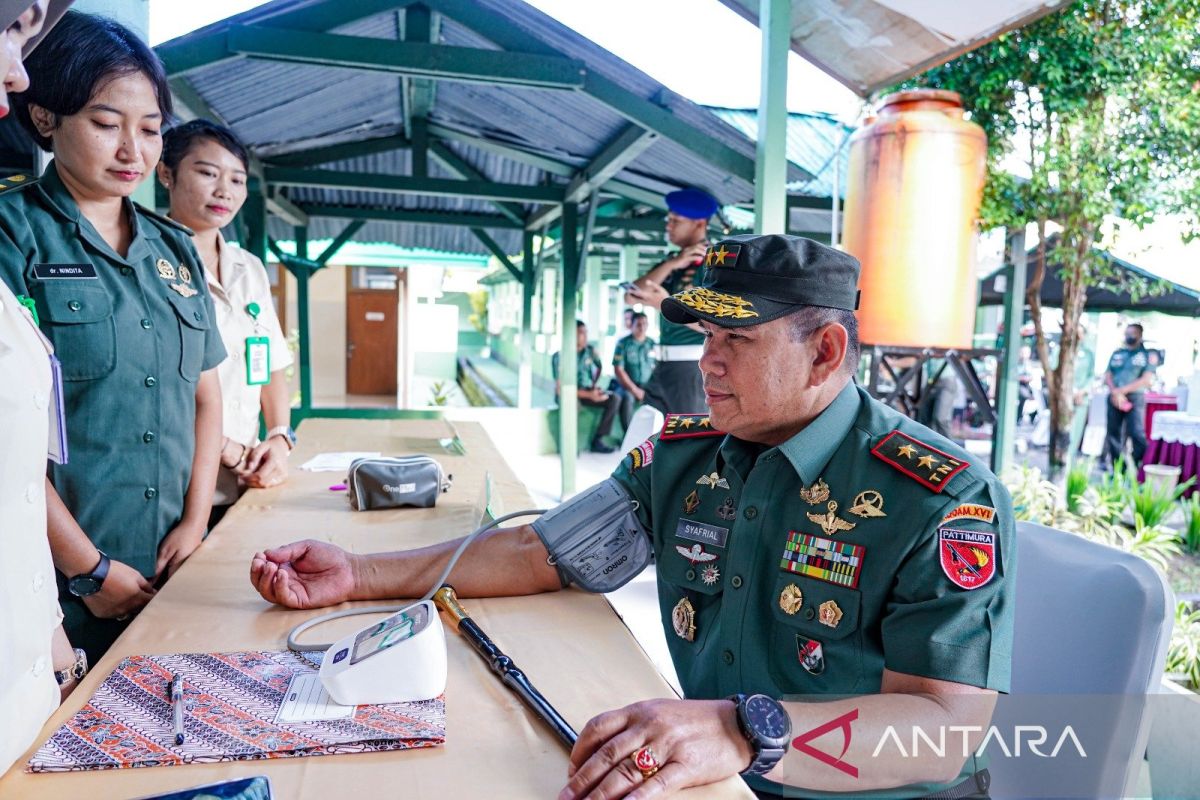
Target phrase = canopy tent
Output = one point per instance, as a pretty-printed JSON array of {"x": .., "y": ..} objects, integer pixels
[
  {"x": 870, "y": 45},
  {"x": 1112, "y": 295}
]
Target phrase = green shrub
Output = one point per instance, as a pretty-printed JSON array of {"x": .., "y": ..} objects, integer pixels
[
  {"x": 1191, "y": 528},
  {"x": 1183, "y": 653},
  {"x": 1154, "y": 503},
  {"x": 1077, "y": 483}
]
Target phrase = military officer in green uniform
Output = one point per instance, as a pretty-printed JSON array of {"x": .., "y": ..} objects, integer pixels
[
  {"x": 1129, "y": 374},
  {"x": 810, "y": 543},
  {"x": 121, "y": 294},
  {"x": 633, "y": 364},
  {"x": 675, "y": 383}
]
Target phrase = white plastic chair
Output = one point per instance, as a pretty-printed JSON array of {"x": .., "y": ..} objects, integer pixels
[{"x": 646, "y": 422}]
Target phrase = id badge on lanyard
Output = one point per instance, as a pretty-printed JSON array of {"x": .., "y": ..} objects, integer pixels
[{"x": 258, "y": 353}]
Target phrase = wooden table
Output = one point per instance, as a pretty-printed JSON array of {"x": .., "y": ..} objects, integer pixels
[{"x": 573, "y": 646}]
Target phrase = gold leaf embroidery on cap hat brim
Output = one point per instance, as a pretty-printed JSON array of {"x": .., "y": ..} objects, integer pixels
[{"x": 718, "y": 304}]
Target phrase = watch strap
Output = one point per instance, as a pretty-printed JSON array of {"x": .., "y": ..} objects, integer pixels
[
  {"x": 289, "y": 436},
  {"x": 766, "y": 756},
  {"x": 97, "y": 574},
  {"x": 76, "y": 671}
]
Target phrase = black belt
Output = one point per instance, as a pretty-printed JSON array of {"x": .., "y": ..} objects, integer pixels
[{"x": 975, "y": 786}]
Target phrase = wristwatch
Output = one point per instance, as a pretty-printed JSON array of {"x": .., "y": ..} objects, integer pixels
[
  {"x": 287, "y": 433},
  {"x": 89, "y": 583},
  {"x": 75, "y": 672},
  {"x": 766, "y": 725}
]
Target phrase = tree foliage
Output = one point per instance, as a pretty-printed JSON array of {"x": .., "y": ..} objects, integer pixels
[{"x": 1101, "y": 102}]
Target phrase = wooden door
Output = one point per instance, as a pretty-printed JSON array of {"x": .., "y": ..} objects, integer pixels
[{"x": 371, "y": 340}]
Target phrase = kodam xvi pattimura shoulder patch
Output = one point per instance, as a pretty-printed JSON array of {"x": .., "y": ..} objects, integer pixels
[
  {"x": 687, "y": 426},
  {"x": 926, "y": 465}
]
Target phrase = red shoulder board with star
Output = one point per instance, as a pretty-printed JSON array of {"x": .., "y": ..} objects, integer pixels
[
  {"x": 926, "y": 465},
  {"x": 687, "y": 426}
]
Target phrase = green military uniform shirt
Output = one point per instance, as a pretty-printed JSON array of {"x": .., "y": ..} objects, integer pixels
[
  {"x": 133, "y": 335},
  {"x": 865, "y": 541},
  {"x": 1128, "y": 365},
  {"x": 587, "y": 368},
  {"x": 636, "y": 358},
  {"x": 670, "y": 333}
]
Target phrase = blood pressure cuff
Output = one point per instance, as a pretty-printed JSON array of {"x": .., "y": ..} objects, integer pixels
[{"x": 595, "y": 539}]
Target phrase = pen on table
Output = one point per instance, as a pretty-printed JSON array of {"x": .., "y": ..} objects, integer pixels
[
  {"x": 177, "y": 706},
  {"x": 338, "y": 487}
]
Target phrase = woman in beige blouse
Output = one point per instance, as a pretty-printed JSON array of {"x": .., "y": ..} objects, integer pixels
[
  {"x": 205, "y": 168},
  {"x": 35, "y": 652}
]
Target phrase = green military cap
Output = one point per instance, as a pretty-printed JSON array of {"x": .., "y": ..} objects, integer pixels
[{"x": 752, "y": 279}]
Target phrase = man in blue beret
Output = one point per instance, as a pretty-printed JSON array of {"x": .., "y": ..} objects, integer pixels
[{"x": 675, "y": 385}]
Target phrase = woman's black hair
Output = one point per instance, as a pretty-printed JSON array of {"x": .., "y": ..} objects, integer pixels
[
  {"x": 180, "y": 139},
  {"x": 76, "y": 59}
]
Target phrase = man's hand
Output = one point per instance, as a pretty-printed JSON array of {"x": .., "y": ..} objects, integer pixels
[
  {"x": 696, "y": 742},
  {"x": 648, "y": 293},
  {"x": 306, "y": 574},
  {"x": 178, "y": 545},
  {"x": 692, "y": 256},
  {"x": 1119, "y": 401},
  {"x": 595, "y": 394},
  {"x": 639, "y": 394},
  {"x": 267, "y": 464},
  {"x": 124, "y": 592}
]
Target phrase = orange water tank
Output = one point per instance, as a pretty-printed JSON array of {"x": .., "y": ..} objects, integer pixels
[{"x": 912, "y": 199}]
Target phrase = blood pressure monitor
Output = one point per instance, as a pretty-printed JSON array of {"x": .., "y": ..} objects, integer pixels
[{"x": 399, "y": 659}]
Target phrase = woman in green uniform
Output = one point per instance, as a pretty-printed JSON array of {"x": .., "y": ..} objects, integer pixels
[{"x": 120, "y": 293}]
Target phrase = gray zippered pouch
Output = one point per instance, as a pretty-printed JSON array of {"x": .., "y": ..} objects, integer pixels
[{"x": 375, "y": 483}]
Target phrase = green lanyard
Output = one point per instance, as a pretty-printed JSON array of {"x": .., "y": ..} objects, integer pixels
[{"x": 29, "y": 303}]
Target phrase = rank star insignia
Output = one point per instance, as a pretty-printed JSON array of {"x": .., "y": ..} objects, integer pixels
[
  {"x": 686, "y": 426},
  {"x": 185, "y": 274},
  {"x": 830, "y": 522},
  {"x": 791, "y": 599},
  {"x": 868, "y": 504},
  {"x": 165, "y": 270},
  {"x": 816, "y": 494},
  {"x": 728, "y": 510},
  {"x": 710, "y": 575},
  {"x": 691, "y": 502},
  {"x": 686, "y": 422},
  {"x": 713, "y": 481},
  {"x": 811, "y": 655},
  {"x": 184, "y": 289},
  {"x": 933, "y": 468},
  {"x": 829, "y": 614},
  {"x": 695, "y": 553},
  {"x": 683, "y": 620}
]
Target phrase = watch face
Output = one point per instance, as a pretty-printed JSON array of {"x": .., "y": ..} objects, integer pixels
[
  {"x": 83, "y": 585},
  {"x": 767, "y": 717}
]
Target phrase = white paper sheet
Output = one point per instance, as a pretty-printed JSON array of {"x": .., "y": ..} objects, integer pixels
[
  {"x": 307, "y": 701},
  {"x": 334, "y": 462}
]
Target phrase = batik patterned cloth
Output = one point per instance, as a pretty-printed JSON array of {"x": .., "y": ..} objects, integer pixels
[{"x": 231, "y": 700}]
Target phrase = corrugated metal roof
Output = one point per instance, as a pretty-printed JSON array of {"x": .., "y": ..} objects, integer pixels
[
  {"x": 812, "y": 141},
  {"x": 869, "y": 45},
  {"x": 278, "y": 108}
]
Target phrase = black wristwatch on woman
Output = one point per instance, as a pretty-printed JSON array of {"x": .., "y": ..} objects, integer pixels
[{"x": 766, "y": 725}]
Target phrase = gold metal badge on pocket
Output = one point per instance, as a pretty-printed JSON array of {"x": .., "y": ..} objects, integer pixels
[
  {"x": 683, "y": 620},
  {"x": 829, "y": 614},
  {"x": 165, "y": 270},
  {"x": 791, "y": 599}
]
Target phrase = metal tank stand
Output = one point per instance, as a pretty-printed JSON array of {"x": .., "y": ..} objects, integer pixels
[{"x": 895, "y": 376}]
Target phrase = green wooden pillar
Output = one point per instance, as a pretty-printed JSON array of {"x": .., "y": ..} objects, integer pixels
[
  {"x": 594, "y": 292},
  {"x": 1006, "y": 387},
  {"x": 255, "y": 213},
  {"x": 568, "y": 401},
  {"x": 770, "y": 167},
  {"x": 302, "y": 274},
  {"x": 629, "y": 263},
  {"x": 528, "y": 283}
]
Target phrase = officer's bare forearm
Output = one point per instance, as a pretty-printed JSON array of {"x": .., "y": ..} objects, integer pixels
[
  {"x": 881, "y": 730},
  {"x": 71, "y": 549},
  {"x": 509, "y": 561},
  {"x": 1144, "y": 382},
  {"x": 276, "y": 409},
  {"x": 197, "y": 504}
]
